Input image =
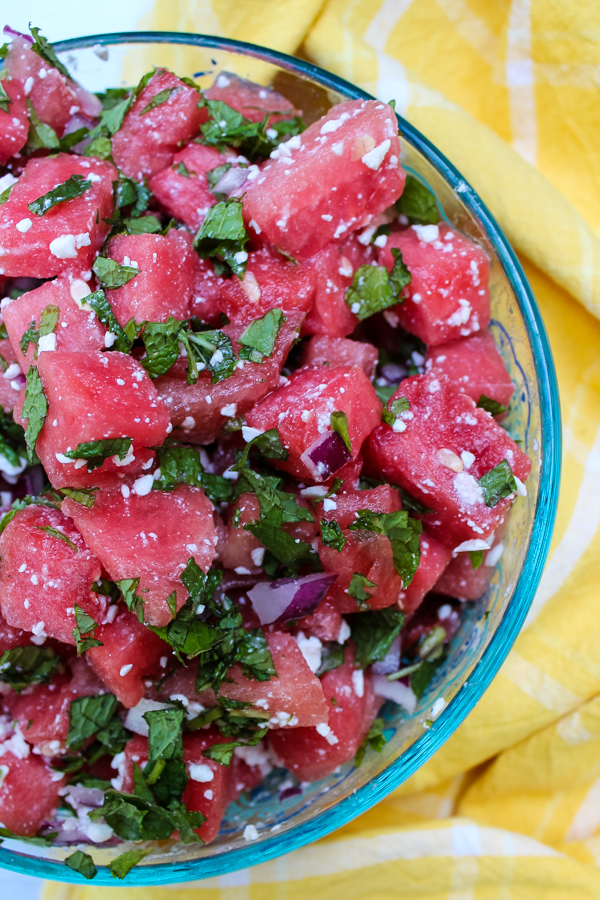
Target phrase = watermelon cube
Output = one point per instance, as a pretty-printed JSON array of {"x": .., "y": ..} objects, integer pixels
[
  {"x": 12, "y": 637},
  {"x": 68, "y": 235},
  {"x": 151, "y": 536},
  {"x": 10, "y": 383},
  {"x": 29, "y": 792},
  {"x": 322, "y": 350},
  {"x": 448, "y": 296},
  {"x": 365, "y": 552},
  {"x": 46, "y": 569},
  {"x": 268, "y": 283},
  {"x": 330, "y": 180},
  {"x": 301, "y": 411},
  {"x": 14, "y": 124},
  {"x": 119, "y": 400},
  {"x": 325, "y": 623},
  {"x": 474, "y": 366},
  {"x": 251, "y": 100},
  {"x": 461, "y": 580},
  {"x": 434, "y": 559},
  {"x": 182, "y": 187},
  {"x": 446, "y": 446},
  {"x": 207, "y": 286},
  {"x": 78, "y": 328},
  {"x": 149, "y": 138},
  {"x": 314, "y": 753},
  {"x": 165, "y": 282},
  {"x": 55, "y": 98},
  {"x": 199, "y": 411},
  {"x": 129, "y": 653},
  {"x": 242, "y": 551}
]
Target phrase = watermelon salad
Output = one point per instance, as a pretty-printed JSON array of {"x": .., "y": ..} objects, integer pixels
[{"x": 251, "y": 447}]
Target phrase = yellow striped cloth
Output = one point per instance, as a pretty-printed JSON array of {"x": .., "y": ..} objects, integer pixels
[{"x": 510, "y": 807}]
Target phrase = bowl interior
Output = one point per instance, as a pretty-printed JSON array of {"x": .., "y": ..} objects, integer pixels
[{"x": 488, "y": 626}]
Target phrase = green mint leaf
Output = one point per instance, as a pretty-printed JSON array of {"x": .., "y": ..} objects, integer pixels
[
  {"x": 209, "y": 349},
  {"x": 476, "y": 558},
  {"x": 36, "y": 841},
  {"x": 4, "y": 99},
  {"x": 331, "y": 658},
  {"x": 97, "y": 452},
  {"x": 403, "y": 534},
  {"x": 217, "y": 488},
  {"x": 159, "y": 99},
  {"x": 40, "y": 136},
  {"x": 268, "y": 444},
  {"x": 399, "y": 273},
  {"x": 73, "y": 187},
  {"x": 178, "y": 465},
  {"x": 491, "y": 406},
  {"x": 374, "y": 739},
  {"x": 374, "y": 633},
  {"x": 398, "y": 406},
  {"x": 100, "y": 147},
  {"x": 82, "y": 863},
  {"x": 55, "y": 533},
  {"x": 257, "y": 341},
  {"x": 418, "y": 203},
  {"x": 183, "y": 170},
  {"x": 133, "y": 602},
  {"x": 44, "y": 48},
  {"x": 87, "y": 716},
  {"x": 6, "y": 194},
  {"x": 357, "y": 588},
  {"x": 424, "y": 674},
  {"x": 110, "y": 274},
  {"x": 370, "y": 292},
  {"x": 85, "y": 496},
  {"x": 12, "y": 439},
  {"x": 332, "y": 535},
  {"x": 72, "y": 138},
  {"x": 112, "y": 119},
  {"x": 143, "y": 225},
  {"x": 227, "y": 127},
  {"x": 30, "y": 336},
  {"x": 27, "y": 665},
  {"x": 498, "y": 483},
  {"x": 223, "y": 753},
  {"x": 135, "y": 818},
  {"x": 213, "y": 176},
  {"x": 123, "y": 864},
  {"x": 132, "y": 193},
  {"x": 161, "y": 341},
  {"x": 84, "y": 625},
  {"x": 339, "y": 423},
  {"x": 291, "y": 553},
  {"x": 104, "y": 311},
  {"x": 409, "y": 502},
  {"x": 35, "y": 409},
  {"x": 164, "y": 733},
  {"x": 222, "y": 237}
]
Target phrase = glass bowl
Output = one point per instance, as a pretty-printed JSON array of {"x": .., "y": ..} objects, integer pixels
[{"x": 489, "y": 626}]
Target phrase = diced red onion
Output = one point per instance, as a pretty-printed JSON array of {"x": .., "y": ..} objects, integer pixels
[
  {"x": 19, "y": 381},
  {"x": 11, "y": 31},
  {"x": 231, "y": 180},
  {"x": 290, "y": 792},
  {"x": 391, "y": 663},
  {"x": 89, "y": 103},
  {"x": 78, "y": 795},
  {"x": 396, "y": 691},
  {"x": 289, "y": 598},
  {"x": 326, "y": 456}
]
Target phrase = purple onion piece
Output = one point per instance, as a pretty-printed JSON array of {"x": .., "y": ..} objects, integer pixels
[
  {"x": 391, "y": 663},
  {"x": 232, "y": 180},
  {"x": 290, "y": 792},
  {"x": 20, "y": 381},
  {"x": 399, "y": 693},
  {"x": 11, "y": 31},
  {"x": 325, "y": 456},
  {"x": 289, "y": 598}
]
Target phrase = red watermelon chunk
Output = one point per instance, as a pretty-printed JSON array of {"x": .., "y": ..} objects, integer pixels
[
  {"x": 301, "y": 410},
  {"x": 12, "y": 637},
  {"x": 434, "y": 559},
  {"x": 129, "y": 653},
  {"x": 42, "y": 577},
  {"x": 165, "y": 282},
  {"x": 314, "y": 753},
  {"x": 330, "y": 180},
  {"x": 206, "y": 290},
  {"x": 242, "y": 550},
  {"x": 448, "y": 296},
  {"x": 323, "y": 350},
  {"x": 447, "y": 445},
  {"x": 77, "y": 328},
  {"x": 251, "y": 100},
  {"x": 201, "y": 410},
  {"x": 182, "y": 187},
  {"x": 268, "y": 283},
  {"x": 474, "y": 366},
  {"x": 10, "y": 382},
  {"x": 325, "y": 623},
  {"x": 147, "y": 141},
  {"x": 14, "y": 124},
  {"x": 68, "y": 235},
  {"x": 365, "y": 552},
  {"x": 55, "y": 99},
  {"x": 461, "y": 580},
  {"x": 120, "y": 400},
  {"x": 29, "y": 792},
  {"x": 150, "y": 537}
]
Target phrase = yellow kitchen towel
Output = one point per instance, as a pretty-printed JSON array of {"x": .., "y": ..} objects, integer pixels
[{"x": 508, "y": 90}]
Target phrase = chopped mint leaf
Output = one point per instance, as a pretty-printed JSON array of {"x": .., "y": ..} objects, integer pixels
[
  {"x": 123, "y": 864},
  {"x": 491, "y": 406},
  {"x": 35, "y": 409},
  {"x": 82, "y": 863},
  {"x": 40, "y": 136},
  {"x": 135, "y": 818},
  {"x": 370, "y": 292},
  {"x": 84, "y": 628},
  {"x": 183, "y": 170},
  {"x": 133, "y": 602},
  {"x": 6, "y": 193},
  {"x": 159, "y": 99},
  {"x": 178, "y": 465},
  {"x": 213, "y": 176},
  {"x": 12, "y": 440},
  {"x": 398, "y": 406},
  {"x": 374, "y": 633},
  {"x": 222, "y": 238},
  {"x": 4, "y": 99},
  {"x": 89, "y": 715},
  {"x": 72, "y": 138},
  {"x": 37, "y": 841},
  {"x": 332, "y": 535},
  {"x": 498, "y": 483},
  {"x": 223, "y": 753},
  {"x": 110, "y": 274},
  {"x": 374, "y": 739},
  {"x": 331, "y": 658},
  {"x": 73, "y": 187},
  {"x": 268, "y": 444},
  {"x": 208, "y": 349},
  {"x": 357, "y": 588},
  {"x": 161, "y": 340},
  {"x": 290, "y": 553},
  {"x": 143, "y": 225},
  {"x": 44, "y": 48},
  {"x": 132, "y": 193},
  {"x": 85, "y": 496},
  {"x": 476, "y": 558},
  {"x": 100, "y": 147},
  {"x": 258, "y": 339},
  {"x": 227, "y": 127},
  {"x": 399, "y": 274},
  {"x": 418, "y": 203},
  {"x": 55, "y": 533},
  {"x": 423, "y": 675},
  {"x": 409, "y": 502},
  {"x": 164, "y": 734},
  {"x": 339, "y": 423},
  {"x": 403, "y": 533},
  {"x": 97, "y": 452},
  {"x": 23, "y": 666},
  {"x": 104, "y": 311}
]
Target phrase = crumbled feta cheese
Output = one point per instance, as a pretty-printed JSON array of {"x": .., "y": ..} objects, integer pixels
[
  {"x": 229, "y": 410},
  {"x": 125, "y": 670},
  {"x": 258, "y": 555},
  {"x": 63, "y": 247},
  {"x": 24, "y": 225},
  {"x": 250, "y": 833},
  {"x": 311, "y": 649},
  {"x": 47, "y": 342},
  {"x": 143, "y": 485},
  {"x": 468, "y": 458},
  {"x": 325, "y": 731},
  {"x": 375, "y": 157},
  {"x": 427, "y": 233},
  {"x": 358, "y": 682},
  {"x": 201, "y": 772}
]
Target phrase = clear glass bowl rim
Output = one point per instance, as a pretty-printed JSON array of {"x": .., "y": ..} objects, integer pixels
[{"x": 514, "y": 616}]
